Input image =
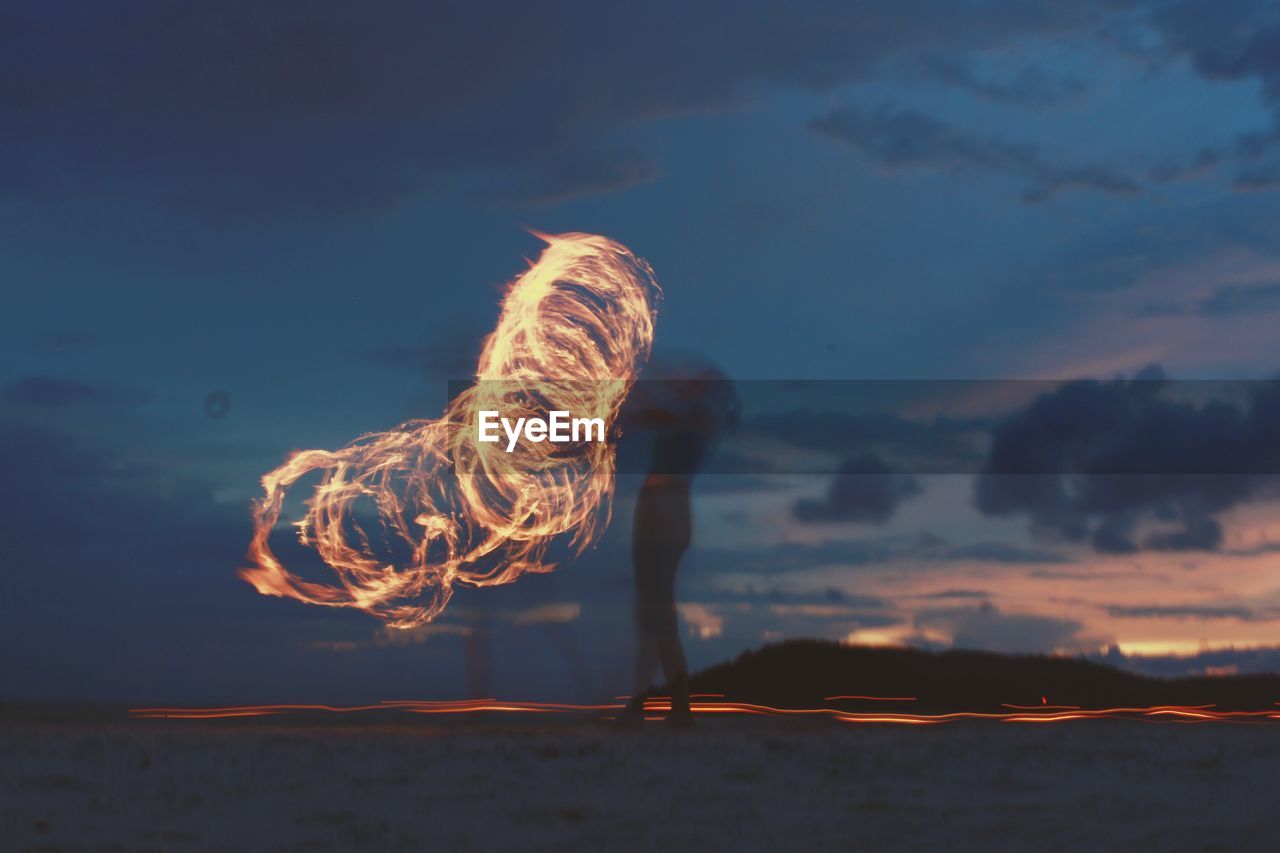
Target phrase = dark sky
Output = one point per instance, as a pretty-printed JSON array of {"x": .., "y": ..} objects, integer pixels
[{"x": 314, "y": 207}]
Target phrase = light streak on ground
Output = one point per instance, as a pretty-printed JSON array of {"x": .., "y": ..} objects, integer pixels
[{"x": 720, "y": 707}]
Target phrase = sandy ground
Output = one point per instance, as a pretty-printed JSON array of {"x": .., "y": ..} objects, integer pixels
[{"x": 731, "y": 784}]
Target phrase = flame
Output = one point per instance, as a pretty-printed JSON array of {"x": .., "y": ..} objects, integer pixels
[{"x": 573, "y": 332}]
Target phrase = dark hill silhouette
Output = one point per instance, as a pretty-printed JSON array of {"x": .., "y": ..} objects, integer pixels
[{"x": 802, "y": 673}]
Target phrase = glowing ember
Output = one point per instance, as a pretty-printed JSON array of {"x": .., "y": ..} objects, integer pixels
[{"x": 402, "y": 516}]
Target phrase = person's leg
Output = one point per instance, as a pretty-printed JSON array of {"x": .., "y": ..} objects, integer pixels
[
  {"x": 660, "y": 536},
  {"x": 658, "y": 641},
  {"x": 667, "y": 643}
]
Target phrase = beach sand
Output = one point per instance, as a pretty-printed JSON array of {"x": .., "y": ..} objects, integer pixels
[{"x": 106, "y": 782}]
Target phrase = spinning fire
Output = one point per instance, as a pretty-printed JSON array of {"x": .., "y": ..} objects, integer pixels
[{"x": 402, "y": 516}]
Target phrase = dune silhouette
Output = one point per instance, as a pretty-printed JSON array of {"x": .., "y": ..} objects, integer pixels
[{"x": 807, "y": 673}]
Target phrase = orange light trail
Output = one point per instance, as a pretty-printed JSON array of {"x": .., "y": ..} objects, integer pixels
[
  {"x": 719, "y": 706},
  {"x": 402, "y": 516}
]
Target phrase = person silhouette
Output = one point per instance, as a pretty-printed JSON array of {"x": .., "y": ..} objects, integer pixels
[{"x": 684, "y": 412}]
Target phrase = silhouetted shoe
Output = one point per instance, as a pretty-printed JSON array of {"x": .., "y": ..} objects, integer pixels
[{"x": 680, "y": 719}]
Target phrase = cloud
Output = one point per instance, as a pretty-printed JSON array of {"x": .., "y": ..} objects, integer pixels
[
  {"x": 1210, "y": 662},
  {"x": 1255, "y": 550},
  {"x": 1226, "y": 39},
  {"x": 1162, "y": 244},
  {"x": 940, "y": 444},
  {"x": 903, "y": 138},
  {"x": 575, "y": 176},
  {"x": 790, "y": 557},
  {"x": 746, "y": 620},
  {"x": 1233, "y": 40},
  {"x": 51, "y": 392},
  {"x": 950, "y": 594},
  {"x": 449, "y": 355},
  {"x": 1027, "y": 85},
  {"x": 1120, "y": 465},
  {"x": 1203, "y": 160},
  {"x": 727, "y": 471},
  {"x": 555, "y": 613},
  {"x": 1265, "y": 176},
  {"x": 242, "y": 108},
  {"x": 986, "y": 627},
  {"x": 1005, "y": 552},
  {"x": 702, "y": 620},
  {"x": 787, "y": 557},
  {"x": 1197, "y": 612},
  {"x": 1226, "y": 301},
  {"x": 710, "y": 590},
  {"x": 715, "y": 483},
  {"x": 864, "y": 489}
]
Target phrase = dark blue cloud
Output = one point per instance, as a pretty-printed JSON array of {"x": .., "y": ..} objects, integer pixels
[
  {"x": 870, "y": 551},
  {"x": 864, "y": 489},
  {"x": 1198, "y": 612},
  {"x": 243, "y": 107},
  {"x": 1028, "y": 86},
  {"x": 1233, "y": 40},
  {"x": 1122, "y": 465},
  {"x": 903, "y": 138},
  {"x": 51, "y": 392},
  {"x": 1226, "y": 301},
  {"x": 847, "y": 420}
]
